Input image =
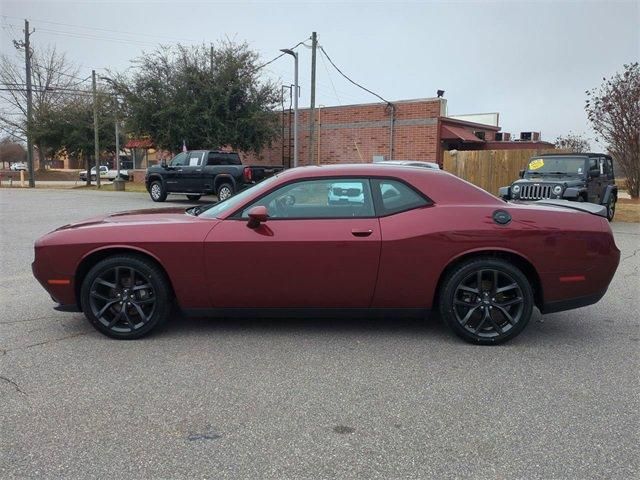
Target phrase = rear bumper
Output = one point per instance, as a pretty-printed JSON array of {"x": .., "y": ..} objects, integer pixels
[{"x": 571, "y": 303}]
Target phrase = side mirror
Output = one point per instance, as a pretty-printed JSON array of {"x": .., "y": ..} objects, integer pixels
[
  {"x": 257, "y": 215},
  {"x": 522, "y": 173},
  {"x": 163, "y": 163}
]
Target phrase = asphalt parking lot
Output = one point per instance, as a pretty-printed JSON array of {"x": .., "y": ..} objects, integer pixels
[{"x": 307, "y": 399}]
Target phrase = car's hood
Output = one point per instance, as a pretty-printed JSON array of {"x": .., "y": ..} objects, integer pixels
[{"x": 155, "y": 216}]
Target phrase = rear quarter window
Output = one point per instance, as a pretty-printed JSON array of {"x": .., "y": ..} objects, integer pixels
[{"x": 396, "y": 197}]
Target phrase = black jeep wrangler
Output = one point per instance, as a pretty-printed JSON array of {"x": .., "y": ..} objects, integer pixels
[{"x": 581, "y": 177}]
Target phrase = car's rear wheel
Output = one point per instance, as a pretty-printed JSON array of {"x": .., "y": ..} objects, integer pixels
[
  {"x": 194, "y": 198},
  {"x": 611, "y": 208},
  {"x": 125, "y": 297},
  {"x": 157, "y": 191},
  {"x": 486, "y": 301},
  {"x": 225, "y": 191}
]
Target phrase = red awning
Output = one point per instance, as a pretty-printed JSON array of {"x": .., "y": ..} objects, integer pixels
[
  {"x": 139, "y": 143},
  {"x": 449, "y": 132}
]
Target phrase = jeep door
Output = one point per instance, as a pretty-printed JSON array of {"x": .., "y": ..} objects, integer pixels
[{"x": 595, "y": 179}]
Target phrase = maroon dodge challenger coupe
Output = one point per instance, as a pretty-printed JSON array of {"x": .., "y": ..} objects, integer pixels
[{"x": 335, "y": 240}]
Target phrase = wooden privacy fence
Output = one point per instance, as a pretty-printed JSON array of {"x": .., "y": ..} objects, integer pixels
[{"x": 490, "y": 169}]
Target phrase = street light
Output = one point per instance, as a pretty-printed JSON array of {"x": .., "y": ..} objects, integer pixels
[{"x": 295, "y": 105}]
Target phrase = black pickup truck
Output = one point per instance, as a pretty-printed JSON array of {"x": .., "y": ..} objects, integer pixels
[{"x": 204, "y": 172}]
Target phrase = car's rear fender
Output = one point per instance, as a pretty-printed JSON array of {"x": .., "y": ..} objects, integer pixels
[{"x": 517, "y": 259}]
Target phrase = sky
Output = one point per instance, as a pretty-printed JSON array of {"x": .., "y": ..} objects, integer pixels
[{"x": 529, "y": 61}]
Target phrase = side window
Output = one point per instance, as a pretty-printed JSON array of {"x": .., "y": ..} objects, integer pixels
[
  {"x": 609, "y": 166},
  {"x": 195, "y": 158},
  {"x": 180, "y": 160},
  {"x": 593, "y": 165},
  {"x": 222, "y": 159},
  {"x": 213, "y": 159},
  {"x": 397, "y": 196},
  {"x": 326, "y": 198}
]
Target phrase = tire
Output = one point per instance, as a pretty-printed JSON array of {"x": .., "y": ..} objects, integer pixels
[
  {"x": 478, "y": 310},
  {"x": 157, "y": 192},
  {"x": 105, "y": 286},
  {"x": 225, "y": 190},
  {"x": 611, "y": 208},
  {"x": 193, "y": 198}
]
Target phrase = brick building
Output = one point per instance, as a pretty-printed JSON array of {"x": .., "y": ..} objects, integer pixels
[{"x": 408, "y": 130}]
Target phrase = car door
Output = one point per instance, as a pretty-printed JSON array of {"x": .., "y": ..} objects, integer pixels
[
  {"x": 309, "y": 253},
  {"x": 408, "y": 256},
  {"x": 172, "y": 175},
  {"x": 191, "y": 173},
  {"x": 596, "y": 177}
]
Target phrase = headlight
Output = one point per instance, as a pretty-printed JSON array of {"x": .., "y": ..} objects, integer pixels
[
  {"x": 515, "y": 189},
  {"x": 557, "y": 189}
]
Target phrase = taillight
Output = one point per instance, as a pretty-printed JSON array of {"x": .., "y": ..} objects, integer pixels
[{"x": 248, "y": 174}]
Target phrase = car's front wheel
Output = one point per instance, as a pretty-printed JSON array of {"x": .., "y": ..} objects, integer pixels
[
  {"x": 125, "y": 296},
  {"x": 157, "y": 192},
  {"x": 486, "y": 301}
]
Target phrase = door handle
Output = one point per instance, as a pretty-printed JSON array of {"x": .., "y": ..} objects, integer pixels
[{"x": 361, "y": 233}]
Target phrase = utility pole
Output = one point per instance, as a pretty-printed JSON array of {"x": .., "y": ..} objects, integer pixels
[
  {"x": 27, "y": 60},
  {"x": 95, "y": 130},
  {"x": 312, "y": 115},
  {"x": 288, "y": 51}
]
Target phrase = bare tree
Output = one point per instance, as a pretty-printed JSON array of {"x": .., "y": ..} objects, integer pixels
[
  {"x": 53, "y": 79},
  {"x": 573, "y": 143},
  {"x": 614, "y": 112}
]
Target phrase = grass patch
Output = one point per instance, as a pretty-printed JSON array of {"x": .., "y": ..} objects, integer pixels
[{"x": 627, "y": 210}]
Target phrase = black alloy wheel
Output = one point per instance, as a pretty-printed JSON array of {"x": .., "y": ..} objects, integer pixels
[
  {"x": 126, "y": 296},
  {"x": 157, "y": 192},
  {"x": 225, "y": 191},
  {"x": 193, "y": 198},
  {"x": 486, "y": 301}
]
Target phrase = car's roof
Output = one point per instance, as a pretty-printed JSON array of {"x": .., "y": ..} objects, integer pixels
[
  {"x": 410, "y": 163},
  {"x": 352, "y": 169}
]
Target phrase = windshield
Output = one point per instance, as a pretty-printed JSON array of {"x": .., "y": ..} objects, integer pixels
[
  {"x": 234, "y": 202},
  {"x": 556, "y": 165}
]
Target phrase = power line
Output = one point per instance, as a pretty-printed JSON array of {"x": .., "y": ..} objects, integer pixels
[
  {"x": 85, "y": 27},
  {"x": 276, "y": 58},
  {"x": 330, "y": 79},
  {"x": 352, "y": 81},
  {"x": 123, "y": 41}
]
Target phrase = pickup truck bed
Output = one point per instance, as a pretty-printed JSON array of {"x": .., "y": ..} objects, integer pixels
[{"x": 204, "y": 172}]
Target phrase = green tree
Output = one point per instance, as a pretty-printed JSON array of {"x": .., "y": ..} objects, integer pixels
[
  {"x": 614, "y": 112},
  {"x": 185, "y": 93}
]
